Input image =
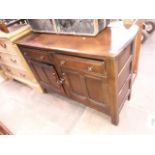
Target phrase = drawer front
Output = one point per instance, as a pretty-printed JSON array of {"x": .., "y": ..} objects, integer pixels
[
  {"x": 38, "y": 55},
  {"x": 81, "y": 64},
  {"x": 11, "y": 60},
  {"x": 6, "y": 46},
  {"x": 8, "y": 70},
  {"x": 22, "y": 74},
  {"x": 15, "y": 73}
]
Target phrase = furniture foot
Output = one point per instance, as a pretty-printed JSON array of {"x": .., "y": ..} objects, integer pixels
[
  {"x": 129, "y": 96},
  {"x": 38, "y": 89},
  {"x": 115, "y": 120}
]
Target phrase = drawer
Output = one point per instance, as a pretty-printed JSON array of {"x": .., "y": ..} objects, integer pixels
[
  {"x": 81, "y": 64},
  {"x": 11, "y": 60},
  {"x": 16, "y": 73},
  {"x": 8, "y": 70},
  {"x": 38, "y": 55},
  {"x": 7, "y": 46},
  {"x": 23, "y": 75}
]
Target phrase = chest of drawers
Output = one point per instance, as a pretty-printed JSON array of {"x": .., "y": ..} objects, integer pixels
[
  {"x": 96, "y": 71},
  {"x": 12, "y": 61}
]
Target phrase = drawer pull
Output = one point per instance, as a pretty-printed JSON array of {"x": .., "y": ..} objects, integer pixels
[
  {"x": 61, "y": 81},
  {"x": 14, "y": 60},
  {"x": 62, "y": 63},
  {"x": 90, "y": 69},
  {"x": 22, "y": 75},
  {"x": 3, "y": 45},
  {"x": 8, "y": 70},
  {"x": 42, "y": 57},
  {"x": 54, "y": 75},
  {"x": 25, "y": 53}
]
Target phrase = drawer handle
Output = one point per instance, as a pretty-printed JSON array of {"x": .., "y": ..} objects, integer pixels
[
  {"x": 61, "y": 81},
  {"x": 54, "y": 75},
  {"x": 3, "y": 45},
  {"x": 25, "y": 53},
  {"x": 42, "y": 57},
  {"x": 14, "y": 60},
  {"x": 22, "y": 75},
  {"x": 8, "y": 70},
  {"x": 62, "y": 63},
  {"x": 90, "y": 69}
]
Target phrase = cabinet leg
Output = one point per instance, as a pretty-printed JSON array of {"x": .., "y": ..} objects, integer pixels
[
  {"x": 115, "y": 119},
  {"x": 129, "y": 96},
  {"x": 39, "y": 90}
]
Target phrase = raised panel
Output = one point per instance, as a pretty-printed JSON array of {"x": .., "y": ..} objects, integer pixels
[
  {"x": 123, "y": 92},
  {"x": 96, "y": 88},
  {"x": 74, "y": 83},
  {"x": 47, "y": 76},
  {"x": 123, "y": 57},
  {"x": 124, "y": 74}
]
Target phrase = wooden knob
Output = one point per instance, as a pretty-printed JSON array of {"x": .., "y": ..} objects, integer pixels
[
  {"x": 53, "y": 74},
  {"x": 23, "y": 75},
  {"x": 42, "y": 57},
  {"x": 25, "y": 53},
  {"x": 62, "y": 62},
  {"x": 14, "y": 60},
  {"x": 90, "y": 69},
  {"x": 8, "y": 70},
  {"x": 63, "y": 74}
]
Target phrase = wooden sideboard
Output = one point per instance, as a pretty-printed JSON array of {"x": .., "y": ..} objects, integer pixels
[
  {"x": 96, "y": 71},
  {"x": 12, "y": 62}
]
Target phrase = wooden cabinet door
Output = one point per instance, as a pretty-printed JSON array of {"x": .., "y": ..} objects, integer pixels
[
  {"x": 86, "y": 88},
  {"x": 74, "y": 85},
  {"x": 47, "y": 76}
]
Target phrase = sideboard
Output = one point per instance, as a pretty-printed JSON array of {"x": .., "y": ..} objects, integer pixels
[{"x": 95, "y": 71}]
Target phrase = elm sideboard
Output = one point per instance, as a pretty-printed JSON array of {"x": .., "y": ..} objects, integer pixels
[{"x": 95, "y": 71}]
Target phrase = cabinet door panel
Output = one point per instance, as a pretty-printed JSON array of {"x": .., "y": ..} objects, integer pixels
[
  {"x": 74, "y": 83},
  {"x": 96, "y": 89},
  {"x": 86, "y": 88},
  {"x": 47, "y": 76}
]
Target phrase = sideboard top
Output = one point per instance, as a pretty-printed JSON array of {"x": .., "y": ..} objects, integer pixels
[{"x": 110, "y": 42}]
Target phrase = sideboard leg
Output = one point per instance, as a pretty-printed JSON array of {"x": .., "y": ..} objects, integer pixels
[
  {"x": 115, "y": 119},
  {"x": 129, "y": 96}
]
